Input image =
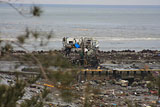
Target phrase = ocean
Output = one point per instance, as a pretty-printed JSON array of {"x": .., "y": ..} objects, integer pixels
[{"x": 115, "y": 27}]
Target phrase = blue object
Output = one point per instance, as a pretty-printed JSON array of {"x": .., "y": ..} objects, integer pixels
[
  {"x": 114, "y": 104},
  {"x": 77, "y": 45}
]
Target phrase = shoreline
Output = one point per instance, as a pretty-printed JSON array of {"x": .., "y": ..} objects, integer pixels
[
  {"x": 111, "y": 57},
  {"x": 107, "y": 45}
]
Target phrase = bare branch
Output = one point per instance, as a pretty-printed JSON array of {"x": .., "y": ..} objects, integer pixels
[
  {"x": 35, "y": 10},
  {"x": 39, "y": 63}
]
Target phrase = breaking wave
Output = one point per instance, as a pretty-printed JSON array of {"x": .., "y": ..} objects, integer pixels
[
  {"x": 124, "y": 39},
  {"x": 97, "y": 38}
]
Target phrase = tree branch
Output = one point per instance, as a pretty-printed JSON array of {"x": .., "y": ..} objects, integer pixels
[
  {"x": 39, "y": 63},
  {"x": 16, "y": 9}
]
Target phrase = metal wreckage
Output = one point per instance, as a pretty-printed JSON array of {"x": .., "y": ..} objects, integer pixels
[{"x": 81, "y": 51}]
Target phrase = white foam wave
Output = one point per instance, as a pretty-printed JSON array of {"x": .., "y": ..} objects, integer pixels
[
  {"x": 14, "y": 39},
  {"x": 124, "y": 39},
  {"x": 97, "y": 38}
]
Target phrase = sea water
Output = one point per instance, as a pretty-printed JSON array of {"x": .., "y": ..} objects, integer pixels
[{"x": 115, "y": 27}]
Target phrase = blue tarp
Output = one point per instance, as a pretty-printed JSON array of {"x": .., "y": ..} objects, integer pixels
[
  {"x": 77, "y": 45},
  {"x": 114, "y": 104}
]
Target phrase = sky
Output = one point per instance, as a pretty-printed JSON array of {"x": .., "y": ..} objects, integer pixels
[{"x": 94, "y": 2}]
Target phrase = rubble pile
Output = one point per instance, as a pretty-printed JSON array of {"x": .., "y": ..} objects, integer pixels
[
  {"x": 102, "y": 91},
  {"x": 112, "y": 93},
  {"x": 129, "y": 57}
]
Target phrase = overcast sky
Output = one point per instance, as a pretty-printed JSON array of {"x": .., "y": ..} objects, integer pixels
[{"x": 98, "y": 2}]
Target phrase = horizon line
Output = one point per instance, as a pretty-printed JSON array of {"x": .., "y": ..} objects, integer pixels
[{"x": 86, "y": 4}]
